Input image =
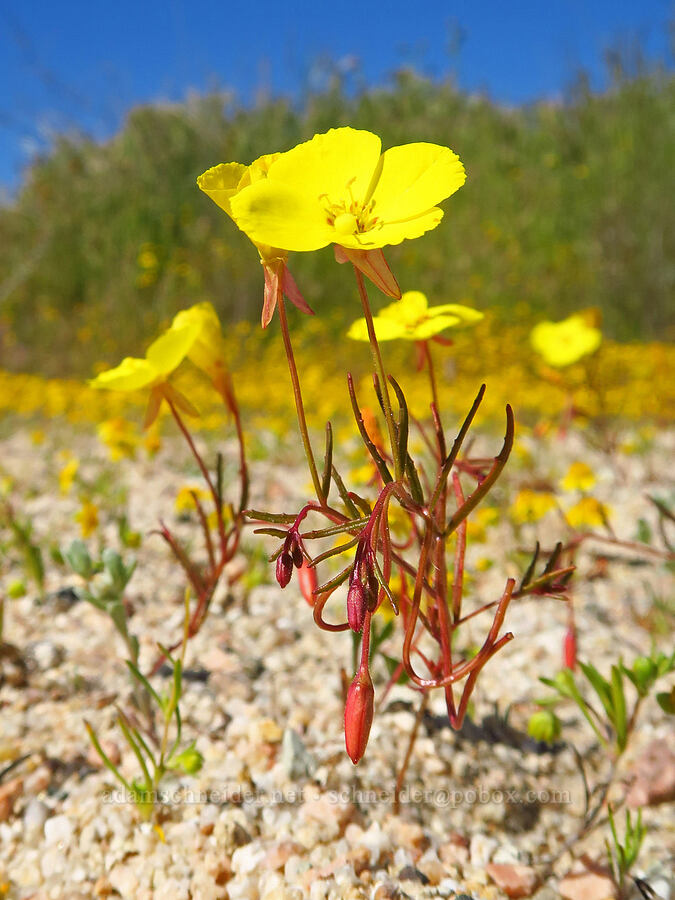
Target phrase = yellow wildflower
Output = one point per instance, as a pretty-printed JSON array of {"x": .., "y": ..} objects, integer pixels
[
  {"x": 194, "y": 334},
  {"x": 579, "y": 477},
  {"x": 67, "y": 475},
  {"x": 566, "y": 342},
  {"x": 412, "y": 319},
  {"x": 222, "y": 183},
  {"x": 87, "y": 516},
  {"x": 530, "y": 506},
  {"x": 483, "y": 518},
  {"x": 119, "y": 436},
  {"x": 587, "y": 513},
  {"x": 185, "y": 498},
  {"x": 340, "y": 188}
]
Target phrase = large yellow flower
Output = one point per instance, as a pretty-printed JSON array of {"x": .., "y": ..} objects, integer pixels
[
  {"x": 563, "y": 343},
  {"x": 195, "y": 335},
  {"x": 340, "y": 188},
  {"x": 222, "y": 183},
  {"x": 412, "y": 319}
]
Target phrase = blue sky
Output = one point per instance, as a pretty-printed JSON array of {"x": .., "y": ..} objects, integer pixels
[{"x": 81, "y": 65}]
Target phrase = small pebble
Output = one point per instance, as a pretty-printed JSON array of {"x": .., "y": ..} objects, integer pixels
[{"x": 58, "y": 830}]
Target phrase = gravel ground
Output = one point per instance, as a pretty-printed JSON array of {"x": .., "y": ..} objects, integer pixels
[{"x": 278, "y": 810}]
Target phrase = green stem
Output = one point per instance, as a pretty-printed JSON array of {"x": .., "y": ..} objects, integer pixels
[
  {"x": 379, "y": 368},
  {"x": 299, "y": 406}
]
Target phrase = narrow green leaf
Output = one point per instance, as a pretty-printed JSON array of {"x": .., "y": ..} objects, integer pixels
[
  {"x": 344, "y": 494},
  {"x": 138, "y": 675},
  {"x": 619, "y": 704},
  {"x": 278, "y": 518},
  {"x": 380, "y": 464},
  {"x": 402, "y": 418},
  {"x": 335, "y": 582}
]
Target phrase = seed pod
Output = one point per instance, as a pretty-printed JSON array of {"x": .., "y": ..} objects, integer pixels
[
  {"x": 308, "y": 582},
  {"x": 359, "y": 714},
  {"x": 356, "y": 605},
  {"x": 284, "y": 569}
]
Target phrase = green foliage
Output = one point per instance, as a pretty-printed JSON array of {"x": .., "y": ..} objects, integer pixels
[
  {"x": 156, "y": 755},
  {"x": 622, "y": 856},
  {"x": 21, "y": 531},
  {"x": 106, "y": 580},
  {"x": 563, "y": 208},
  {"x": 614, "y": 727}
]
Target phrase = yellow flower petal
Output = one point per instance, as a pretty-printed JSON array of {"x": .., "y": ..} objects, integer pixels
[
  {"x": 277, "y": 215},
  {"x": 131, "y": 375},
  {"x": 412, "y": 306},
  {"x": 221, "y": 182},
  {"x": 414, "y": 178},
  {"x": 208, "y": 348},
  {"x": 429, "y": 327},
  {"x": 530, "y": 506},
  {"x": 466, "y": 314},
  {"x": 587, "y": 513},
  {"x": 579, "y": 477},
  {"x": 564, "y": 343},
  {"x": 170, "y": 349},
  {"x": 339, "y": 164},
  {"x": 385, "y": 329}
]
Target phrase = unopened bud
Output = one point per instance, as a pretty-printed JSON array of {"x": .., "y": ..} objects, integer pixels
[
  {"x": 356, "y": 606},
  {"x": 570, "y": 648},
  {"x": 308, "y": 582},
  {"x": 296, "y": 553},
  {"x": 359, "y": 714},
  {"x": 284, "y": 569}
]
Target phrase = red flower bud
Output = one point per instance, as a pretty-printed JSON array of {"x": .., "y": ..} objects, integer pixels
[
  {"x": 308, "y": 582},
  {"x": 296, "y": 553},
  {"x": 359, "y": 714},
  {"x": 356, "y": 605},
  {"x": 570, "y": 648},
  {"x": 284, "y": 569}
]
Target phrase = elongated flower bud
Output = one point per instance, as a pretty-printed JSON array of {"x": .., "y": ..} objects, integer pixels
[
  {"x": 308, "y": 582},
  {"x": 570, "y": 648},
  {"x": 356, "y": 605},
  {"x": 359, "y": 714},
  {"x": 284, "y": 569}
]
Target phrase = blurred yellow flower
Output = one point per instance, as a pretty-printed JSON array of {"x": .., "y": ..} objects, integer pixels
[
  {"x": 563, "y": 343},
  {"x": 119, "y": 436},
  {"x": 340, "y": 188},
  {"x": 530, "y": 506},
  {"x": 412, "y": 319},
  {"x": 67, "y": 475},
  {"x": 185, "y": 498},
  {"x": 587, "y": 513},
  {"x": 87, "y": 516},
  {"x": 194, "y": 334},
  {"x": 482, "y": 519},
  {"x": 579, "y": 477},
  {"x": 147, "y": 258},
  {"x": 222, "y": 184}
]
